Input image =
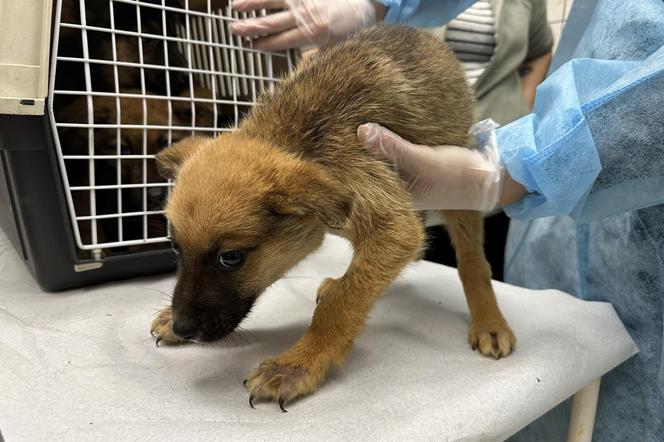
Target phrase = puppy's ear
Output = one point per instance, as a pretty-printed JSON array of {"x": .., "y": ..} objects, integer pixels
[
  {"x": 308, "y": 191},
  {"x": 171, "y": 158}
]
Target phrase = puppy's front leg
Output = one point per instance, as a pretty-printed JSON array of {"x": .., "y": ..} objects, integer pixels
[
  {"x": 162, "y": 327},
  {"x": 342, "y": 310}
]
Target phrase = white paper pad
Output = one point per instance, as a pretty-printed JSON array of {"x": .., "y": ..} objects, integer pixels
[{"x": 82, "y": 365}]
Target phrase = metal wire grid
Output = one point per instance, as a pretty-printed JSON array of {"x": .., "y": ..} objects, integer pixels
[{"x": 232, "y": 73}]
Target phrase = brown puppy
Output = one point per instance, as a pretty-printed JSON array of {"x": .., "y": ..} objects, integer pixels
[{"x": 249, "y": 205}]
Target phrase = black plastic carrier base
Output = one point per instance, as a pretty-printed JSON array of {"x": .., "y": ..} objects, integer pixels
[{"x": 34, "y": 214}]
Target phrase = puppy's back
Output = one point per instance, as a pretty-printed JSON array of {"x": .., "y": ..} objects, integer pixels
[{"x": 396, "y": 76}]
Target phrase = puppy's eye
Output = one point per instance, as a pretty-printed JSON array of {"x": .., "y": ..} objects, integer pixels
[
  {"x": 176, "y": 247},
  {"x": 231, "y": 259}
]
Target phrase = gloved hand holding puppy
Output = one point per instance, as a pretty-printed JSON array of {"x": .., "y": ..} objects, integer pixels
[{"x": 448, "y": 177}]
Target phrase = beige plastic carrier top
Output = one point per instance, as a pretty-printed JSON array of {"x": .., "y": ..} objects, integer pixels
[{"x": 25, "y": 30}]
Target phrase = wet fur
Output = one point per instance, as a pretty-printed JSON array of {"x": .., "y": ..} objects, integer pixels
[{"x": 294, "y": 169}]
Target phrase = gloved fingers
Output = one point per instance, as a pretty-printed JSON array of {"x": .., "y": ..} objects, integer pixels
[
  {"x": 293, "y": 38},
  {"x": 413, "y": 157},
  {"x": 423, "y": 190},
  {"x": 314, "y": 19},
  {"x": 406, "y": 156},
  {"x": 438, "y": 177},
  {"x": 367, "y": 134},
  {"x": 254, "y": 5},
  {"x": 319, "y": 22},
  {"x": 381, "y": 141},
  {"x": 270, "y": 24}
]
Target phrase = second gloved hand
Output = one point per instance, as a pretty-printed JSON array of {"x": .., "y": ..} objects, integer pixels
[
  {"x": 443, "y": 177},
  {"x": 303, "y": 22}
]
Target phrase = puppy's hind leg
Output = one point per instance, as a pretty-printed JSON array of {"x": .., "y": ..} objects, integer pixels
[
  {"x": 380, "y": 255},
  {"x": 489, "y": 332}
]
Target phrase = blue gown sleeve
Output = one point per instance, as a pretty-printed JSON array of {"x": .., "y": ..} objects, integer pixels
[
  {"x": 424, "y": 13},
  {"x": 594, "y": 145}
]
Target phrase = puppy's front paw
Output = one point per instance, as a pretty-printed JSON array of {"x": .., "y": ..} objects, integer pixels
[
  {"x": 282, "y": 379},
  {"x": 162, "y": 327},
  {"x": 494, "y": 338}
]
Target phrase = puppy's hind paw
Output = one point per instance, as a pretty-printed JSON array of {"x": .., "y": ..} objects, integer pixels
[
  {"x": 493, "y": 340},
  {"x": 162, "y": 328}
]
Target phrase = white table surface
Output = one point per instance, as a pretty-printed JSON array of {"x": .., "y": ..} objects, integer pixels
[{"x": 81, "y": 365}]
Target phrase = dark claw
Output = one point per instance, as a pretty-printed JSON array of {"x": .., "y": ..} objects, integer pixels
[
  {"x": 245, "y": 382},
  {"x": 251, "y": 400},
  {"x": 152, "y": 333},
  {"x": 282, "y": 401},
  {"x": 317, "y": 300},
  {"x": 158, "y": 341}
]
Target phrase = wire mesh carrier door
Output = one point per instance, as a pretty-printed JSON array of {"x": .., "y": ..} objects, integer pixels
[{"x": 128, "y": 78}]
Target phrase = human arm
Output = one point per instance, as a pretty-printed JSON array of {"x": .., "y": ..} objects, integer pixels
[
  {"x": 322, "y": 22},
  {"x": 540, "y": 45},
  {"x": 305, "y": 22},
  {"x": 594, "y": 145},
  {"x": 448, "y": 177},
  {"x": 532, "y": 73},
  {"x": 593, "y": 148}
]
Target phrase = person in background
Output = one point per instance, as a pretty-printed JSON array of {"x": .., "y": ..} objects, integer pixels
[
  {"x": 503, "y": 77},
  {"x": 581, "y": 177}
]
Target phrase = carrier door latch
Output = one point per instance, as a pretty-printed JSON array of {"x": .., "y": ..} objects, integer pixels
[{"x": 97, "y": 263}]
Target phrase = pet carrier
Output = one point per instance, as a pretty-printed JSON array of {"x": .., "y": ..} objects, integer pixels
[{"x": 86, "y": 103}]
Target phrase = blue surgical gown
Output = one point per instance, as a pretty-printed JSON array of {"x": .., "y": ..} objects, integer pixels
[{"x": 592, "y": 157}]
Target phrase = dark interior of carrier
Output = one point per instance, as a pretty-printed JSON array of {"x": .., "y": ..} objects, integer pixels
[{"x": 132, "y": 77}]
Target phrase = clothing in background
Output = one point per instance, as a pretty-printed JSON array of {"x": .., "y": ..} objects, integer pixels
[
  {"x": 613, "y": 247},
  {"x": 524, "y": 34},
  {"x": 591, "y": 155},
  {"x": 472, "y": 37}
]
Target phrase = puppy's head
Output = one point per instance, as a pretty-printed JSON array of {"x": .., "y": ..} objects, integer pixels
[{"x": 242, "y": 213}]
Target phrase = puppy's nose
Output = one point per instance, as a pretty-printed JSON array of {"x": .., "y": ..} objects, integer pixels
[{"x": 185, "y": 328}]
